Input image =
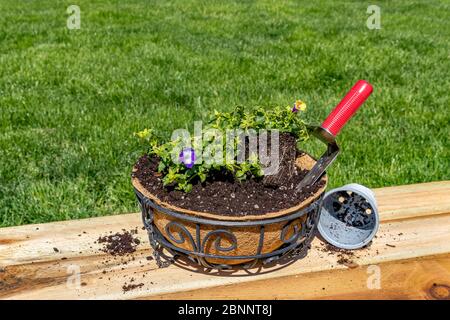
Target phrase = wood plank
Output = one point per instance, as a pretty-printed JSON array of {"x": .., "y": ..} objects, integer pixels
[
  {"x": 410, "y": 201},
  {"x": 419, "y": 278},
  {"x": 31, "y": 269}
]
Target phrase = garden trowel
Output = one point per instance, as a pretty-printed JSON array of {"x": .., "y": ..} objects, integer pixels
[{"x": 330, "y": 128}]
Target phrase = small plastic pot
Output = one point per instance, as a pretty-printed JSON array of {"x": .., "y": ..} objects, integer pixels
[{"x": 349, "y": 216}]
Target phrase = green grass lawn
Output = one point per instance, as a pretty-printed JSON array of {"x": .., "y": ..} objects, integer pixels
[{"x": 70, "y": 100}]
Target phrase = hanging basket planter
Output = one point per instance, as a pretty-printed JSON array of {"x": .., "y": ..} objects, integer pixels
[{"x": 217, "y": 241}]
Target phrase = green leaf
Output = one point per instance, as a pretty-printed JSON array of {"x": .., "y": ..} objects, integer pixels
[{"x": 161, "y": 166}]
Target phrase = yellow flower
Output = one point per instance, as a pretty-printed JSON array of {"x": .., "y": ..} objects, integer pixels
[{"x": 300, "y": 105}]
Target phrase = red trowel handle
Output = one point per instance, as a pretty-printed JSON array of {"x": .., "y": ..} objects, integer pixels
[{"x": 347, "y": 107}]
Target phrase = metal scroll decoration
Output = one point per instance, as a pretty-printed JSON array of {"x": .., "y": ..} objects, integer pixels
[{"x": 296, "y": 234}]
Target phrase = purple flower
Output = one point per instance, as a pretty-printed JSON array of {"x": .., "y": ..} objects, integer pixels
[{"x": 187, "y": 156}]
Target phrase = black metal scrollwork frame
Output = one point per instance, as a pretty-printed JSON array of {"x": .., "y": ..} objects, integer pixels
[{"x": 166, "y": 252}]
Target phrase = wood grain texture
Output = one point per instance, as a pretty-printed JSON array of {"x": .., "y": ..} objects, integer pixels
[
  {"x": 418, "y": 278},
  {"x": 410, "y": 201},
  {"x": 412, "y": 250}
]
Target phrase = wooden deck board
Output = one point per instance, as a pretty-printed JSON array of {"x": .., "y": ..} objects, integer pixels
[{"x": 412, "y": 250}]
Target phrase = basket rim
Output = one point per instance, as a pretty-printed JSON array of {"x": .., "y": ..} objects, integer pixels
[{"x": 303, "y": 161}]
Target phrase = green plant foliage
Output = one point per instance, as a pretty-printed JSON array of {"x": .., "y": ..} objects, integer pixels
[{"x": 176, "y": 173}]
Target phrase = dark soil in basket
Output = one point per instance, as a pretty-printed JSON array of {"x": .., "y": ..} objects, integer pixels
[{"x": 224, "y": 196}]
